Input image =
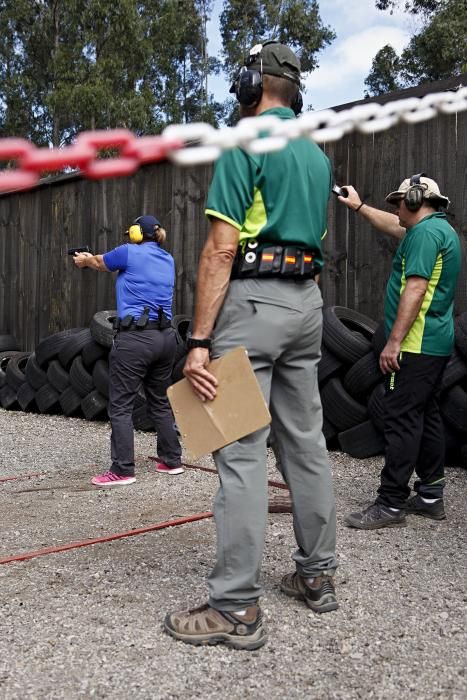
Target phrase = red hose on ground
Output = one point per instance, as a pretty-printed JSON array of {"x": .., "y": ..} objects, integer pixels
[
  {"x": 107, "y": 538},
  {"x": 21, "y": 476},
  {"x": 118, "y": 536},
  {"x": 276, "y": 484}
]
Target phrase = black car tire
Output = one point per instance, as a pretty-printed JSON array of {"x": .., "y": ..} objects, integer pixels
[
  {"x": 58, "y": 377},
  {"x": 363, "y": 376},
  {"x": 329, "y": 430},
  {"x": 8, "y": 342},
  {"x": 94, "y": 406},
  {"x": 378, "y": 341},
  {"x": 73, "y": 347},
  {"x": 454, "y": 372},
  {"x": 35, "y": 375},
  {"x": 6, "y": 356},
  {"x": 461, "y": 334},
  {"x": 80, "y": 378},
  {"x": 100, "y": 377},
  {"x": 8, "y": 398},
  {"x": 338, "y": 326},
  {"x": 177, "y": 371},
  {"x": 102, "y": 327},
  {"x": 16, "y": 367},
  {"x": 375, "y": 407},
  {"x": 341, "y": 409},
  {"x": 49, "y": 348},
  {"x": 92, "y": 352},
  {"x": 182, "y": 325},
  {"x": 361, "y": 441},
  {"x": 141, "y": 419},
  {"x": 328, "y": 366},
  {"x": 70, "y": 402},
  {"x": 454, "y": 407},
  {"x": 26, "y": 397},
  {"x": 47, "y": 399}
]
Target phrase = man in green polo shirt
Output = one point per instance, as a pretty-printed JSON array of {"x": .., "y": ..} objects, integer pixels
[
  {"x": 419, "y": 325},
  {"x": 257, "y": 287}
]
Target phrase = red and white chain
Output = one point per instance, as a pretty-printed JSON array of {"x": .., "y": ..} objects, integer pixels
[{"x": 193, "y": 144}]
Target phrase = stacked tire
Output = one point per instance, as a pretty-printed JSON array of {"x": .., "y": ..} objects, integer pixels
[
  {"x": 348, "y": 374},
  {"x": 68, "y": 373}
]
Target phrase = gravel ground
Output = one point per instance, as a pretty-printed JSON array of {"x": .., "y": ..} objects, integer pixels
[{"x": 87, "y": 623}]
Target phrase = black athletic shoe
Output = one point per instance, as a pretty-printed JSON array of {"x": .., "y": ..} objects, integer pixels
[
  {"x": 417, "y": 506},
  {"x": 319, "y": 596},
  {"x": 376, "y": 516}
]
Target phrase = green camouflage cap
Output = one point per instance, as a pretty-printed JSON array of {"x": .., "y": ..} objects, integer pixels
[{"x": 274, "y": 58}]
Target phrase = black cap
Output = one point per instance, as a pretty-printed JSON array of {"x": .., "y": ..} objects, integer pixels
[{"x": 147, "y": 224}]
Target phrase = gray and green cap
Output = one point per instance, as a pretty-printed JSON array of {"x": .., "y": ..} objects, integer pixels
[{"x": 274, "y": 58}]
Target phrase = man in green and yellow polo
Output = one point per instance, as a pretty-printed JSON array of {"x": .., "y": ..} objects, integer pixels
[
  {"x": 257, "y": 287},
  {"x": 419, "y": 325}
]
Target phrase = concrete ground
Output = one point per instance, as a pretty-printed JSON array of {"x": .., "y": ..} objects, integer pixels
[{"x": 87, "y": 623}]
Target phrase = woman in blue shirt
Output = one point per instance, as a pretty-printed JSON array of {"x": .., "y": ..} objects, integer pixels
[{"x": 143, "y": 348}]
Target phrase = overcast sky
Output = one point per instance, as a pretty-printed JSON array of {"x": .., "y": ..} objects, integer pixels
[{"x": 343, "y": 66}]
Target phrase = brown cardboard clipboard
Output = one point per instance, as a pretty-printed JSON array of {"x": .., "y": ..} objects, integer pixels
[{"x": 238, "y": 409}]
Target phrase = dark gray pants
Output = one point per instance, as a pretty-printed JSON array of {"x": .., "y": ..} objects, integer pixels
[
  {"x": 141, "y": 358},
  {"x": 280, "y": 323}
]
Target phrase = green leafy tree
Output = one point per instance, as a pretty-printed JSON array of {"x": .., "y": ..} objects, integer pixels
[
  {"x": 70, "y": 65},
  {"x": 383, "y": 76},
  {"x": 294, "y": 22},
  {"x": 440, "y": 49},
  {"x": 415, "y": 7},
  {"x": 437, "y": 51}
]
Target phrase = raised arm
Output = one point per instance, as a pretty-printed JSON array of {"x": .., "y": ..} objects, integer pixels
[
  {"x": 382, "y": 220},
  {"x": 95, "y": 262}
]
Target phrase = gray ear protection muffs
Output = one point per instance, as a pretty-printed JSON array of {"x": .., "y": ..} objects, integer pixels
[
  {"x": 248, "y": 85},
  {"x": 413, "y": 198}
]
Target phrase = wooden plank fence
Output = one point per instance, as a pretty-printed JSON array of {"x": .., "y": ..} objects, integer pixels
[{"x": 41, "y": 291}]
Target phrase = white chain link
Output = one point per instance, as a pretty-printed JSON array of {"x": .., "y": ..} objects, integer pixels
[{"x": 204, "y": 143}]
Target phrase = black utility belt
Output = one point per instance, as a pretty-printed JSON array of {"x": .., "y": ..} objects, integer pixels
[
  {"x": 119, "y": 325},
  {"x": 274, "y": 261}
]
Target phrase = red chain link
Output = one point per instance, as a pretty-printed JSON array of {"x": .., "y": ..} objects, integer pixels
[{"x": 84, "y": 154}]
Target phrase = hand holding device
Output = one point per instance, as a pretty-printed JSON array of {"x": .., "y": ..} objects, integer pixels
[
  {"x": 340, "y": 191},
  {"x": 82, "y": 249}
]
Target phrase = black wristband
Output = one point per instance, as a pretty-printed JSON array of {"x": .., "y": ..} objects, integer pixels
[
  {"x": 359, "y": 207},
  {"x": 192, "y": 343}
]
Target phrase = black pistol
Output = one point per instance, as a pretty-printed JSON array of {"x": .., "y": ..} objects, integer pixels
[{"x": 82, "y": 249}]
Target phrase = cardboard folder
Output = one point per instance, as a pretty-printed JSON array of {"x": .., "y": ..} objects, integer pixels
[{"x": 238, "y": 409}]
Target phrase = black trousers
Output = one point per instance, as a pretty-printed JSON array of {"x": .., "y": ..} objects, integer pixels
[
  {"x": 413, "y": 430},
  {"x": 141, "y": 358}
]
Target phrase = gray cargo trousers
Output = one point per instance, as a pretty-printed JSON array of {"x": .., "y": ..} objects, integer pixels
[{"x": 280, "y": 323}]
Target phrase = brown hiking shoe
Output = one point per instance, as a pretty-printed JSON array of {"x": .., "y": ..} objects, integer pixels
[
  {"x": 206, "y": 625},
  {"x": 319, "y": 596}
]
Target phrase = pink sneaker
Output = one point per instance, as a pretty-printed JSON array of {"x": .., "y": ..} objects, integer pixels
[
  {"x": 110, "y": 479},
  {"x": 164, "y": 469}
]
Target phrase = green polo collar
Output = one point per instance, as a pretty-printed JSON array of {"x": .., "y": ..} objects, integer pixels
[{"x": 281, "y": 112}]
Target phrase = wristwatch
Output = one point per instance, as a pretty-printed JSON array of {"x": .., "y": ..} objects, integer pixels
[{"x": 192, "y": 343}]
